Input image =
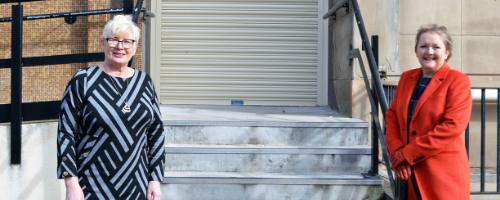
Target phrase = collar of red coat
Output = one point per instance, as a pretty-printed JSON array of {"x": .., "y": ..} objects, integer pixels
[{"x": 440, "y": 74}]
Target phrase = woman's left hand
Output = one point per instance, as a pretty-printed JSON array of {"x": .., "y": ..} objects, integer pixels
[
  {"x": 154, "y": 190},
  {"x": 397, "y": 158}
]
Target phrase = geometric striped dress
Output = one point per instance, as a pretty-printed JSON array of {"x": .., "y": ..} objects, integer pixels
[{"x": 114, "y": 153}]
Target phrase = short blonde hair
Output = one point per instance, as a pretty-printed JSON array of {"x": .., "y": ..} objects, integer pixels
[
  {"x": 441, "y": 31},
  {"x": 121, "y": 24}
]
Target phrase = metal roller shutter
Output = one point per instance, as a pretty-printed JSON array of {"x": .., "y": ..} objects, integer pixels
[{"x": 263, "y": 52}]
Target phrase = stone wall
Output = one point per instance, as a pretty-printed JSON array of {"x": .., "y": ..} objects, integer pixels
[
  {"x": 474, "y": 27},
  {"x": 35, "y": 178},
  {"x": 46, "y": 37}
]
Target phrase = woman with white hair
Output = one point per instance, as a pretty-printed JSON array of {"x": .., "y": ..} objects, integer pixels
[{"x": 110, "y": 137}]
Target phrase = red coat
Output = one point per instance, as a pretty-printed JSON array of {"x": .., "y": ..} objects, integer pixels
[{"x": 436, "y": 149}]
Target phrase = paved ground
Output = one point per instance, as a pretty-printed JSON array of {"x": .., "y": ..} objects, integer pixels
[{"x": 490, "y": 184}]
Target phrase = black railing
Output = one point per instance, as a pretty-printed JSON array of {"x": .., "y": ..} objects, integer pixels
[
  {"x": 479, "y": 96},
  {"x": 484, "y": 100},
  {"x": 16, "y": 112},
  {"x": 377, "y": 97}
]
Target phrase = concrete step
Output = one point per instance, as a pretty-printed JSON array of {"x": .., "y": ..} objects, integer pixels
[
  {"x": 259, "y": 125},
  {"x": 272, "y": 136},
  {"x": 262, "y": 149},
  {"x": 241, "y": 186},
  {"x": 271, "y": 163},
  {"x": 223, "y": 158},
  {"x": 270, "y": 178}
]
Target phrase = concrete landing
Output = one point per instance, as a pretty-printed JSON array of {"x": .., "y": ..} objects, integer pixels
[{"x": 255, "y": 116}]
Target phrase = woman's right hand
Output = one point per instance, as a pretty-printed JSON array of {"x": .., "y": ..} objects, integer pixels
[
  {"x": 403, "y": 171},
  {"x": 73, "y": 189}
]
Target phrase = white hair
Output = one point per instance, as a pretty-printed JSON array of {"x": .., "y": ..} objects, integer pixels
[{"x": 121, "y": 24}]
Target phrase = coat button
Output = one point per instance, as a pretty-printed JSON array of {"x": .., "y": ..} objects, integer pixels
[
  {"x": 65, "y": 173},
  {"x": 64, "y": 159},
  {"x": 413, "y": 133},
  {"x": 85, "y": 154}
]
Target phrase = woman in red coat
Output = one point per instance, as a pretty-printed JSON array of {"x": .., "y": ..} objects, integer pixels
[{"x": 424, "y": 125}]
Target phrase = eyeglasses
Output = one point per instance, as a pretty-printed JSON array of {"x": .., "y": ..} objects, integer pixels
[{"x": 127, "y": 43}]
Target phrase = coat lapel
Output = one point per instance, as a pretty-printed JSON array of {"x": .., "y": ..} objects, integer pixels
[
  {"x": 431, "y": 87},
  {"x": 408, "y": 91}
]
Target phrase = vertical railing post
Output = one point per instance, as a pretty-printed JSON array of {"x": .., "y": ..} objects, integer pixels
[
  {"x": 135, "y": 18},
  {"x": 483, "y": 135},
  {"x": 374, "y": 170},
  {"x": 467, "y": 140},
  {"x": 332, "y": 102},
  {"x": 128, "y": 7},
  {"x": 16, "y": 83},
  {"x": 137, "y": 11},
  {"x": 498, "y": 140}
]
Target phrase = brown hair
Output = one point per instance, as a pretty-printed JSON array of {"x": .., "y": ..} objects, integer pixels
[{"x": 441, "y": 31}]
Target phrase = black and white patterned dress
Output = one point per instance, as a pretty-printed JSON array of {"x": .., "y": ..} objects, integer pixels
[{"x": 114, "y": 153}]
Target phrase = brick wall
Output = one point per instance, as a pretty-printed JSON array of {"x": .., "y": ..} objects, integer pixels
[{"x": 54, "y": 36}]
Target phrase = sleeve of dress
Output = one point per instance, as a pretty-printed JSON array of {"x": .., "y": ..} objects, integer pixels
[
  {"x": 69, "y": 118},
  {"x": 393, "y": 137},
  {"x": 156, "y": 141}
]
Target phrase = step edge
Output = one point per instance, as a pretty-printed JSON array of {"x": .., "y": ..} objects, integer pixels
[
  {"x": 273, "y": 181},
  {"x": 267, "y": 124},
  {"x": 268, "y": 150}
]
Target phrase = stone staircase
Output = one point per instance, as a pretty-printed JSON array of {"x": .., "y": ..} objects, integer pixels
[{"x": 250, "y": 152}]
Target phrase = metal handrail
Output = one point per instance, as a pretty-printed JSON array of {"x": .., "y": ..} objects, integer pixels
[
  {"x": 378, "y": 88},
  {"x": 355, "y": 53},
  {"x": 483, "y": 142},
  {"x": 67, "y": 14},
  {"x": 369, "y": 52},
  {"x": 334, "y": 9}
]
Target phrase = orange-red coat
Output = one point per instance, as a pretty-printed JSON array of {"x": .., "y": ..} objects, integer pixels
[{"x": 436, "y": 149}]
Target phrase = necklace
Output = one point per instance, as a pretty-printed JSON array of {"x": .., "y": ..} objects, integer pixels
[{"x": 125, "y": 108}]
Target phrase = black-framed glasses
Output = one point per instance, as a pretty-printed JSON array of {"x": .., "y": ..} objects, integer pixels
[{"x": 127, "y": 43}]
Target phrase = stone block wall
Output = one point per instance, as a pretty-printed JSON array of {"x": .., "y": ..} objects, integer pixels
[
  {"x": 47, "y": 37},
  {"x": 474, "y": 27}
]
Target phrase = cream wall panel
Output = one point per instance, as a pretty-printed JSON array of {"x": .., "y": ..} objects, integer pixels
[
  {"x": 443, "y": 12},
  {"x": 408, "y": 57},
  {"x": 484, "y": 81},
  {"x": 481, "y": 55},
  {"x": 374, "y": 15},
  {"x": 455, "y": 62},
  {"x": 263, "y": 52},
  {"x": 361, "y": 107},
  {"x": 481, "y": 17}
]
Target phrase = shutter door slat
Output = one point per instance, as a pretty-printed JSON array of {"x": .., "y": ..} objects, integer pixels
[{"x": 264, "y": 52}]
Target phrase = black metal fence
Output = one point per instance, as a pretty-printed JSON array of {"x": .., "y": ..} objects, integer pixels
[{"x": 491, "y": 100}]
